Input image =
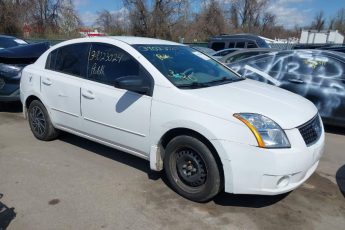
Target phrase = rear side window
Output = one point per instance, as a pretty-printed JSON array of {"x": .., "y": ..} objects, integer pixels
[
  {"x": 231, "y": 45},
  {"x": 70, "y": 59},
  {"x": 107, "y": 63},
  {"x": 240, "y": 44},
  {"x": 218, "y": 46},
  {"x": 251, "y": 45},
  {"x": 51, "y": 60}
]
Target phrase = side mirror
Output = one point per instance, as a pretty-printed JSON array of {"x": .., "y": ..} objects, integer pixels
[{"x": 132, "y": 83}]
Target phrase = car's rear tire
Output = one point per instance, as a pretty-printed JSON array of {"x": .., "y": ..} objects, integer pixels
[
  {"x": 191, "y": 169},
  {"x": 40, "y": 123}
]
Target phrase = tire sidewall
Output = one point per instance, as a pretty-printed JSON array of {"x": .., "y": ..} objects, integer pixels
[
  {"x": 49, "y": 131},
  {"x": 211, "y": 186}
]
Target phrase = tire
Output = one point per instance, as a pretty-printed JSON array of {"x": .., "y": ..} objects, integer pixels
[
  {"x": 191, "y": 169},
  {"x": 40, "y": 123}
]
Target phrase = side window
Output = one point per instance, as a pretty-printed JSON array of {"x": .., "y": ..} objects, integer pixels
[
  {"x": 218, "y": 46},
  {"x": 251, "y": 45},
  {"x": 240, "y": 44},
  {"x": 107, "y": 63},
  {"x": 231, "y": 45},
  {"x": 71, "y": 59},
  {"x": 51, "y": 60}
]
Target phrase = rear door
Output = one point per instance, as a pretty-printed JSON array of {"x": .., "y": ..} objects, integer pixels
[{"x": 61, "y": 84}]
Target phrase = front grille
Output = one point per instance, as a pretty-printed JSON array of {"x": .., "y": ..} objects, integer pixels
[{"x": 311, "y": 131}]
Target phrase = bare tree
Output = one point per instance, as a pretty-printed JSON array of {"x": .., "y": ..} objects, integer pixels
[
  {"x": 105, "y": 21},
  {"x": 155, "y": 18},
  {"x": 69, "y": 21},
  {"x": 268, "y": 22},
  {"x": 113, "y": 23},
  {"x": 339, "y": 21},
  {"x": 234, "y": 17},
  {"x": 209, "y": 22},
  {"x": 250, "y": 12},
  {"x": 319, "y": 21},
  {"x": 139, "y": 16}
]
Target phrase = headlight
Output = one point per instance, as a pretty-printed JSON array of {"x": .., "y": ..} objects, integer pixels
[
  {"x": 10, "y": 71},
  {"x": 267, "y": 133}
]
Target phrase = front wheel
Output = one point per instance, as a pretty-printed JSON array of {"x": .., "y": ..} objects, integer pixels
[
  {"x": 40, "y": 123},
  {"x": 191, "y": 169}
]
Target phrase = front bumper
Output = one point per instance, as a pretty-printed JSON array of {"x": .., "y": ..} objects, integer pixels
[{"x": 254, "y": 170}]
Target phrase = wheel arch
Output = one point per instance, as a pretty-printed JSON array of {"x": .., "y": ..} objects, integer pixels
[
  {"x": 30, "y": 99},
  {"x": 172, "y": 133}
]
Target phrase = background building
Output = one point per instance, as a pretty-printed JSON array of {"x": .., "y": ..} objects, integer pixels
[{"x": 320, "y": 37}]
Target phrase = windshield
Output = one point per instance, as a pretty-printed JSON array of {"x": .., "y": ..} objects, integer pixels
[{"x": 186, "y": 67}]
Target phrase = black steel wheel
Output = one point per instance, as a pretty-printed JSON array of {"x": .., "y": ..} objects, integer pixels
[
  {"x": 40, "y": 122},
  {"x": 191, "y": 169}
]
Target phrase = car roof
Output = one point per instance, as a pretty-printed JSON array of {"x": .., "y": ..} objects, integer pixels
[
  {"x": 301, "y": 51},
  {"x": 6, "y": 36},
  {"x": 250, "y": 50},
  {"x": 131, "y": 40}
]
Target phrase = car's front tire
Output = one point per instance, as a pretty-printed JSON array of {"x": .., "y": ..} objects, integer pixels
[
  {"x": 40, "y": 123},
  {"x": 191, "y": 169}
]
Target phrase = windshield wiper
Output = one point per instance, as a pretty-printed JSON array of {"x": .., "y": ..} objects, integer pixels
[
  {"x": 193, "y": 85},
  {"x": 196, "y": 85}
]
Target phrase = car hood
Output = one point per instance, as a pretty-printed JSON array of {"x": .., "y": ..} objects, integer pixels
[
  {"x": 24, "y": 54},
  {"x": 287, "y": 109}
]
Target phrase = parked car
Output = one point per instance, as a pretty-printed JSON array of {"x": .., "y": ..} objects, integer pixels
[
  {"x": 205, "y": 50},
  {"x": 181, "y": 110},
  {"x": 317, "y": 75},
  {"x": 221, "y": 53},
  {"x": 340, "y": 49},
  {"x": 237, "y": 41},
  {"x": 9, "y": 41},
  {"x": 12, "y": 61},
  {"x": 245, "y": 53}
]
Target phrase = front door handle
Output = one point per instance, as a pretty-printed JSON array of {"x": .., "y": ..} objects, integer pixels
[
  {"x": 297, "y": 81},
  {"x": 88, "y": 94},
  {"x": 46, "y": 81}
]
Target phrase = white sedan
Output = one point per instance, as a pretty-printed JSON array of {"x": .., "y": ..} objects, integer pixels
[{"x": 207, "y": 127}]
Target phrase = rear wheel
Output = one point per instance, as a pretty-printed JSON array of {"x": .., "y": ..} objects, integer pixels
[
  {"x": 40, "y": 122},
  {"x": 191, "y": 169}
]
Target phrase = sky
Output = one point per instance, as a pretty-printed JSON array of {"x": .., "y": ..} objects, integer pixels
[{"x": 289, "y": 12}]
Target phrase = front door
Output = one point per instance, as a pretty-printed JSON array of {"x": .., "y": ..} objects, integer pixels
[{"x": 116, "y": 116}]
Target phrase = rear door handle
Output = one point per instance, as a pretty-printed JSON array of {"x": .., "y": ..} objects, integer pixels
[
  {"x": 47, "y": 81},
  {"x": 88, "y": 94},
  {"x": 297, "y": 81}
]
